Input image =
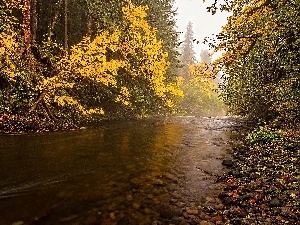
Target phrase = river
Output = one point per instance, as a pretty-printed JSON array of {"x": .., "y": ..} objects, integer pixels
[{"x": 152, "y": 171}]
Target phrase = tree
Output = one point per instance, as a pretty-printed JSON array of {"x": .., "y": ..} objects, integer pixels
[
  {"x": 261, "y": 59},
  {"x": 205, "y": 57},
  {"x": 27, "y": 23},
  {"x": 200, "y": 96},
  {"x": 187, "y": 51},
  {"x": 124, "y": 66}
]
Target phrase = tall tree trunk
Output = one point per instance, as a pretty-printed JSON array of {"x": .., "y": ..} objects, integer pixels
[
  {"x": 33, "y": 20},
  {"x": 66, "y": 25},
  {"x": 26, "y": 23},
  {"x": 89, "y": 25},
  {"x": 57, "y": 9}
]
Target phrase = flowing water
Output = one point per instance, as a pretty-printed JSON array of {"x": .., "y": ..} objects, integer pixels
[{"x": 122, "y": 172}]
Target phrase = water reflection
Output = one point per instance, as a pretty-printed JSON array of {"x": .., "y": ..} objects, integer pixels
[{"x": 125, "y": 172}]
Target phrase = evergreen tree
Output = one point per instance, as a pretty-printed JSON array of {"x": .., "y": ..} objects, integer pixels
[
  {"x": 161, "y": 15},
  {"x": 205, "y": 56},
  {"x": 187, "y": 52}
]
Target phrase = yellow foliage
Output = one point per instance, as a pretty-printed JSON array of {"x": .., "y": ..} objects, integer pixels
[
  {"x": 201, "y": 76},
  {"x": 133, "y": 48},
  {"x": 9, "y": 50}
]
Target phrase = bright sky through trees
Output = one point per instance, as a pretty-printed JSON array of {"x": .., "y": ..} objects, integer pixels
[{"x": 204, "y": 24}]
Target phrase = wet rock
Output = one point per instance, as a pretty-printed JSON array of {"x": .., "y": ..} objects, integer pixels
[
  {"x": 176, "y": 220},
  {"x": 235, "y": 173},
  {"x": 214, "y": 219},
  {"x": 228, "y": 163},
  {"x": 112, "y": 216},
  {"x": 229, "y": 201},
  {"x": 158, "y": 182},
  {"x": 239, "y": 211},
  {"x": 124, "y": 221},
  {"x": 219, "y": 207},
  {"x": 286, "y": 211},
  {"x": 204, "y": 222},
  {"x": 204, "y": 216},
  {"x": 236, "y": 221},
  {"x": 18, "y": 223},
  {"x": 247, "y": 196},
  {"x": 136, "y": 205},
  {"x": 129, "y": 198},
  {"x": 219, "y": 223},
  {"x": 192, "y": 211},
  {"x": 171, "y": 177},
  {"x": 167, "y": 212},
  {"x": 275, "y": 202},
  {"x": 180, "y": 204},
  {"x": 175, "y": 194},
  {"x": 147, "y": 211},
  {"x": 66, "y": 219},
  {"x": 209, "y": 199}
]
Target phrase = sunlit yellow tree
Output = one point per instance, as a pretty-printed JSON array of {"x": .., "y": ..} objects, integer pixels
[
  {"x": 201, "y": 92},
  {"x": 126, "y": 64}
]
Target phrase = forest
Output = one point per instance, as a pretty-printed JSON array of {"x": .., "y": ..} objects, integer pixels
[{"x": 67, "y": 62}]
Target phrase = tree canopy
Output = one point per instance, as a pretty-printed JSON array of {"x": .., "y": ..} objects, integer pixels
[
  {"x": 121, "y": 61},
  {"x": 261, "y": 59}
]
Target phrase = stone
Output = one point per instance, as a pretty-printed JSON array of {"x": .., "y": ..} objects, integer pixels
[
  {"x": 175, "y": 194},
  {"x": 158, "y": 182},
  {"x": 147, "y": 210},
  {"x": 229, "y": 201},
  {"x": 204, "y": 216},
  {"x": 176, "y": 220},
  {"x": 192, "y": 211},
  {"x": 219, "y": 207},
  {"x": 136, "y": 205},
  {"x": 129, "y": 198},
  {"x": 204, "y": 222},
  {"x": 228, "y": 163},
  {"x": 239, "y": 211},
  {"x": 18, "y": 223},
  {"x": 214, "y": 219},
  {"x": 171, "y": 177},
  {"x": 209, "y": 199},
  {"x": 275, "y": 202},
  {"x": 64, "y": 219},
  {"x": 167, "y": 212},
  {"x": 112, "y": 216},
  {"x": 219, "y": 223}
]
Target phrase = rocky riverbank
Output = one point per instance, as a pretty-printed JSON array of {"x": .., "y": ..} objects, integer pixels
[
  {"x": 20, "y": 124},
  {"x": 263, "y": 184}
]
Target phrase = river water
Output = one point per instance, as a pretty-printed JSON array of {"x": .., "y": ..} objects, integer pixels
[{"x": 122, "y": 172}]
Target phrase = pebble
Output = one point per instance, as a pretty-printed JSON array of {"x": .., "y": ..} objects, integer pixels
[
  {"x": 275, "y": 202},
  {"x": 204, "y": 216},
  {"x": 219, "y": 207},
  {"x": 228, "y": 163},
  {"x": 129, "y": 198},
  {"x": 214, "y": 219},
  {"x": 112, "y": 216},
  {"x": 18, "y": 223},
  {"x": 209, "y": 199},
  {"x": 147, "y": 210},
  {"x": 136, "y": 205},
  {"x": 65, "y": 219},
  {"x": 192, "y": 211},
  {"x": 204, "y": 222}
]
